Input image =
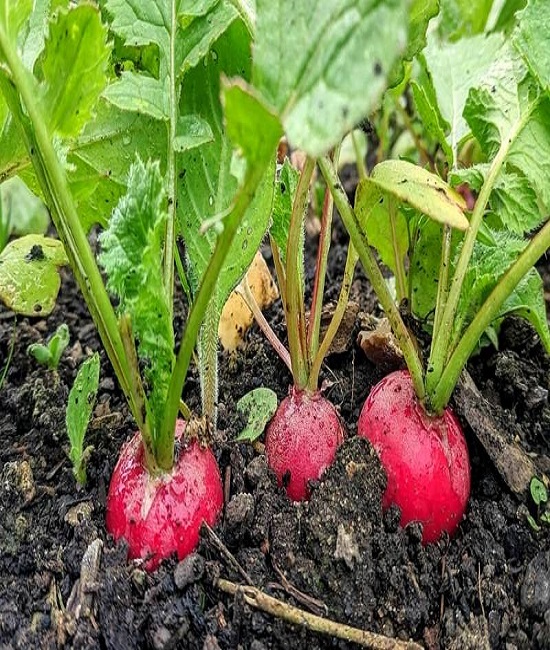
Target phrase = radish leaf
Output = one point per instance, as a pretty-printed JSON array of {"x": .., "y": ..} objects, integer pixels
[
  {"x": 419, "y": 188},
  {"x": 324, "y": 65},
  {"x": 82, "y": 398},
  {"x": 132, "y": 253},
  {"x": 258, "y": 407},
  {"x": 50, "y": 354},
  {"x": 285, "y": 191},
  {"x": 506, "y": 108},
  {"x": 74, "y": 68},
  {"x": 29, "y": 277},
  {"x": 531, "y": 39},
  {"x": 453, "y": 69}
]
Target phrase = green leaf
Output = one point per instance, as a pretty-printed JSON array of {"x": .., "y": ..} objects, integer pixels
[
  {"x": 389, "y": 234},
  {"x": 21, "y": 209},
  {"x": 132, "y": 253},
  {"x": 250, "y": 125},
  {"x": 183, "y": 35},
  {"x": 29, "y": 277},
  {"x": 420, "y": 14},
  {"x": 506, "y": 108},
  {"x": 531, "y": 521},
  {"x": 532, "y": 40},
  {"x": 527, "y": 301},
  {"x": 258, "y": 407},
  {"x": 285, "y": 191},
  {"x": 539, "y": 494},
  {"x": 460, "y": 18},
  {"x": 488, "y": 264},
  {"x": 74, "y": 68},
  {"x": 202, "y": 32},
  {"x": 453, "y": 69},
  {"x": 50, "y": 354},
  {"x": 13, "y": 16},
  {"x": 192, "y": 131},
  {"x": 324, "y": 64},
  {"x": 81, "y": 402},
  {"x": 421, "y": 189},
  {"x": 209, "y": 174},
  {"x": 101, "y": 158},
  {"x": 428, "y": 109}
]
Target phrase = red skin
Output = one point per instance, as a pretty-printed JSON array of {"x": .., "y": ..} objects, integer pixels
[
  {"x": 425, "y": 458},
  {"x": 301, "y": 440},
  {"x": 169, "y": 519}
]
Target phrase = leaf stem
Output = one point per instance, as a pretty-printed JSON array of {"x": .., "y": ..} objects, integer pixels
[
  {"x": 170, "y": 237},
  {"x": 339, "y": 311},
  {"x": 165, "y": 440},
  {"x": 295, "y": 310},
  {"x": 279, "y": 270},
  {"x": 374, "y": 274},
  {"x": 440, "y": 345},
  {"x": 400, "y": 275},
  {"x": 208, "y": 362},
  {"x": 314, "y": 324},
  {"x": 489, "y": 310},
  {"x": 246, "y": 294},
  {"x": 443, "y": 279}
]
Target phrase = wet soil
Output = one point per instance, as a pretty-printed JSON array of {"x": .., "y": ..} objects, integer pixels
[{"x": 64, "y": 582}]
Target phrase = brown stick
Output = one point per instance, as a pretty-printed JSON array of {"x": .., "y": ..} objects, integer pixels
[{"x": 256, "y": 598}]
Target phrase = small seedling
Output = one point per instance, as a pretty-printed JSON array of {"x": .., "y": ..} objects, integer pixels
[
  {"x": 79, "y": 410},
  {"x": 49, "y": 354},
  {"x": 258, "y": 407},
  {"x": 539, "y": 495}
]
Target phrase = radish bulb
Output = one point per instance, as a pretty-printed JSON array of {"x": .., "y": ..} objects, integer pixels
[
  {"x": 161, "y": 515},
  {"x": 301, "y": 440},
  {"x": 425, "y": 457}
]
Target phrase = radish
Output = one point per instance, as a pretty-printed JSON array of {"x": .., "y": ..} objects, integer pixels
[
  {"x": 425, "y": 457},
  {"x": 301, "y": 440},
  {"x": 303, "y": 436},
  {"x": 162, "y": 515}
]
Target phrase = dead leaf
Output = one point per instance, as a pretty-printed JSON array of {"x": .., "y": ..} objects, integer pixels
[{"x": 236, "y": 317}]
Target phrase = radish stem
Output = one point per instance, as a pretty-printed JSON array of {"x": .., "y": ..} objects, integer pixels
[{"x": 374, "y": 274}]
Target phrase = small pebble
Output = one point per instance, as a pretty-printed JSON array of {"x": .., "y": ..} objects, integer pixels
[
  {"x": 189, "y": 570},
  {"x": 79, "y": 513},
  {"x": 240, "y": 510},
  {"x": 535, "y": 590},
  {"x": 18, "y": 475},
  {"x": 256, "y": 470}
]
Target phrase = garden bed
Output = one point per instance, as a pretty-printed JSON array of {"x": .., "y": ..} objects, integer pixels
[{"x": 338, "y": 556}]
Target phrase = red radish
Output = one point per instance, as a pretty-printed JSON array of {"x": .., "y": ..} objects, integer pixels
[
  {"x": 158, "y": 516},
  {"x": 301, "y": 440},
  {"x": 425, "y": 458}
]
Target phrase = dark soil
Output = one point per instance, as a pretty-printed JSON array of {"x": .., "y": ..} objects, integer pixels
[{"x": 338, "y": 556}]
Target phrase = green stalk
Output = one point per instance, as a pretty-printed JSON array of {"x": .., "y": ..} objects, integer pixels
[
  {"x": 170, "y": 237},
  {"x": 246, "y": 294},
  {"x": 279, "y": 271},
  {"x": 440, "y": 347},
  {"x": 374, "y": 274},
  {"x": 54, "y": 186},
  {"x": 295, "y": 310},
  {"x": 339, "y": 311},
  {"x": 165, "y": 440},
  {"x": 400, "y": 275},
  {"x": 314, "y": 324},
  {"x": 208, "y": 362},
  {"x": 443, "y": 284},
  {"x": 488, "y": 312}
]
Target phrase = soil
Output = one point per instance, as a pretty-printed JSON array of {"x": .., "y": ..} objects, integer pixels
[{"x": 64, "y": 582}]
